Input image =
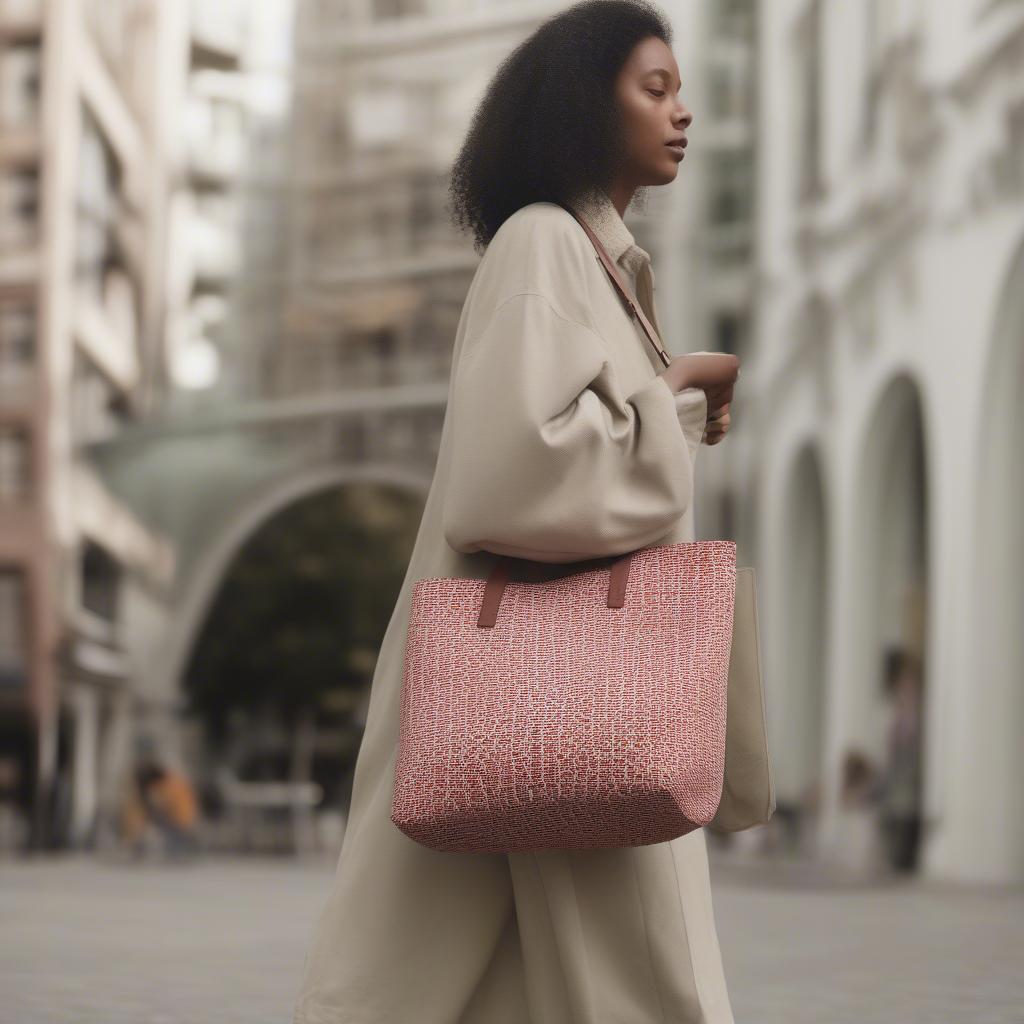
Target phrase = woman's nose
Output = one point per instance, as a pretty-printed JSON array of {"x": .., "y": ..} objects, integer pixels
[{"x": 685, "y": 118}]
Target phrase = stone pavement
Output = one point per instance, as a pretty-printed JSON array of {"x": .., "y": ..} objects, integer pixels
[
  {"x": 801, "y": 947},
  {"x": 221, "y": 941}
]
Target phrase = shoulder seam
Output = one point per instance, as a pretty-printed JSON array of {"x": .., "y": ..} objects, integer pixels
[
  {"x": 554, "y": 309},
  {"x": 558, "y": 213}
]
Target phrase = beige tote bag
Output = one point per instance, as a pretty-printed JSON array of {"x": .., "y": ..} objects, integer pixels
[{"x": 748, "y": 792}]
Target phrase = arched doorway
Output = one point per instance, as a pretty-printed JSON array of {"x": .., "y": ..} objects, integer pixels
[
  {"x": 224, "y": 538},
  {"x": 277, "y": 682},
  {"x": 891, "y": 612}
]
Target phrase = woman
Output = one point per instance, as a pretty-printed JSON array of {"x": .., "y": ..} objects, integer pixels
[{"x": 564, "y": 438}]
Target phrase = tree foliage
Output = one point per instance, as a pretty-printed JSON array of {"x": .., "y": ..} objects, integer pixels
[{"x": 303, "y": 610}]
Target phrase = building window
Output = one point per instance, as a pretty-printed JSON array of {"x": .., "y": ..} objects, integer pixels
[
  {"x": 733, "y": 19},
  {"x": 17, "y": 352},
  {"x": 101, "y": 581},
  {"x": 729, "y": 92},
  {"x": 13, "y": 628},
  {"x": 19, "y": 209},
  {"x": 732, "y": 186},
  {"x": 15, "y": 470},
  {"x": 19, "y": 87}
]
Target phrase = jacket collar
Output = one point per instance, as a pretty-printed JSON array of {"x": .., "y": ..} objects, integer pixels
[{"x": 604, "y": 219}]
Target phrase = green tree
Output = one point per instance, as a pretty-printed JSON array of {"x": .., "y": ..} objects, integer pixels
[{"x": 302, "y": 612}]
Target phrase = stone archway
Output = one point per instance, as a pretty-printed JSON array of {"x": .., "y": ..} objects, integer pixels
[
  {"x": 227, "y": 539},
  {"x": 800, "y": 757},
  {"x": 891, "y": 578},
  {"x": 995, "y": 703}
]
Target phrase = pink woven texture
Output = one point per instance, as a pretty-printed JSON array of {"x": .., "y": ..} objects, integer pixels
[{"x": 568, "y": 724}]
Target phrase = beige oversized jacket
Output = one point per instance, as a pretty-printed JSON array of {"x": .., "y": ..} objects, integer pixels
[
  {"x": 560, "y": 442},
  {"x": 565, "y": 441}
]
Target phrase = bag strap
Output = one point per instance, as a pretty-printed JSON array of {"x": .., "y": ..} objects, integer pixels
[
  {"x": 494, "y": 588},
  {"x": 620, "y": 287}
]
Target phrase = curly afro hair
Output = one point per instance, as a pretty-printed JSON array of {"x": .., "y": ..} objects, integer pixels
[{"x": 548, "y": 127}]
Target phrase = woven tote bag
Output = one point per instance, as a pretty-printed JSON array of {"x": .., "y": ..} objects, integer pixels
[{"x": 579, "y": 712}]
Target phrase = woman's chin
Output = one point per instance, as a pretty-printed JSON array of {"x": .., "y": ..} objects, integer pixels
[{"x": 665, "y": 173}]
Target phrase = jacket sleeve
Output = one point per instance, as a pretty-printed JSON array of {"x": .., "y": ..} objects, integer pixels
[{"x": 548, "y": 460}]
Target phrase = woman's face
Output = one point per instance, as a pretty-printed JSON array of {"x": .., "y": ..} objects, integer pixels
[{"x": 654, "y": 118}]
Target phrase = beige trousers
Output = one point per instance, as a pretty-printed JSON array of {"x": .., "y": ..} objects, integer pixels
[{"x": 412, "y": 935}]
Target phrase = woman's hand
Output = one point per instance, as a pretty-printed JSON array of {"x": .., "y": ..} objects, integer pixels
[
  {"x": 717, "y": 426},
  {"x": 715, "y": 373}
]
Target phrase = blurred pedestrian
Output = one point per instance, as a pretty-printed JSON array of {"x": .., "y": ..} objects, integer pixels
[
  {"x": 899, "y": 788},
  {"x": 856, "y": 840},
  {"x": 167, "y": 800}
]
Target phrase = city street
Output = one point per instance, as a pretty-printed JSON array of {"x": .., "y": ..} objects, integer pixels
[{"x": 221, "y": 942}]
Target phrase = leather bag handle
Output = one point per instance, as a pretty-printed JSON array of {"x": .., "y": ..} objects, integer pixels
[
  {"x": 620, "y": 287},
  {"x": 494, "y": 588}
]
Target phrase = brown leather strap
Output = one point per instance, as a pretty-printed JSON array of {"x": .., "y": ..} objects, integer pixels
[
  {"x": 620, "y": 287},
  {"x": 494, "y": 588}
]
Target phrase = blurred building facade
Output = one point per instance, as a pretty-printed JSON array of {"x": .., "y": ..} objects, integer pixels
[
  {"x": 888, "y": 417},
  {"x": 208, "y": 313},
  {"x": 205, "y": 158},
  {"x": 119, "y": 249},
  {"x": 80, "y": 347}
]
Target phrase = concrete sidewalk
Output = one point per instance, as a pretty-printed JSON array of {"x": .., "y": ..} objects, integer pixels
[{"x": 221, "y": 941}]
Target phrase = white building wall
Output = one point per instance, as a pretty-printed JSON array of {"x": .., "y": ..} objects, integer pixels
[{"x": 906, "y": 251}]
